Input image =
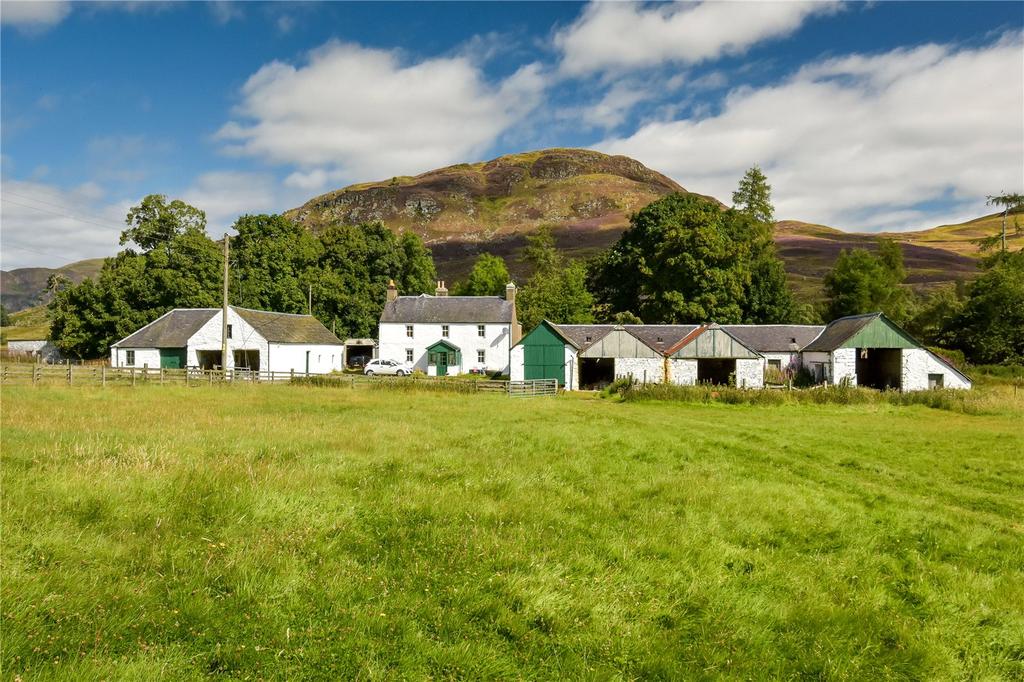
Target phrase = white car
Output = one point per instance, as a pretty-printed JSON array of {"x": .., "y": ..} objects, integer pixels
[{"x": 384, "y": 367}]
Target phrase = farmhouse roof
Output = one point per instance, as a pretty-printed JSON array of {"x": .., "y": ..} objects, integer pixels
[
  {"x": 661, "y": 337},
  {"x": 175, "y": 328},
  {"x": 838, "y": 331},
  {"x": 766, "y": 338},
  {"x": 288, "y": 327},
  {"x": 448, "y": 309},
  {"x": 171, "y": 330}
]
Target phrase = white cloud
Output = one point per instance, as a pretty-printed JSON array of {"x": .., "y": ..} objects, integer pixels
[
  {"x": 33, "y": 16},
  {"x": 225, "y": 11},
  {"x": 47, "y": 226},
  {"x": 859, "y": 141},
  {"x": 225, "y": 195},
  {"x": 613, "y": 36},
  {"x": 362, "y": 113}
]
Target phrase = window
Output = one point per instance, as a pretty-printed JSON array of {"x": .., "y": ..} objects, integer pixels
[
  {"x": 444, "y": 330},
  {"x": 481, "y": 356},
  {"x": 129, "y": 357},
  {"x": 935, "y": 380},
  {"x": 775, "y": 364},
  {"x": 408, "y": 354},
  {"x": 229, "y": 331},
  {"x": 481, "y": 331},
  {"x": 408, "y": 330}
]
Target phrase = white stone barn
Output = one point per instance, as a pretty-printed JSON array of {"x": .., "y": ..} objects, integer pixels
[
  {"x": 42, "y": 350},
  {"x": 447, "y": 335},
  {"x": 257, "y": 340},
  {"x": 866, "y": 350}
]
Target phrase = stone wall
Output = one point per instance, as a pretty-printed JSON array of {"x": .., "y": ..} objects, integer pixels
[
  {"x": 750, "y": 373},
  {"x": 918, "y": 363},
  {"x": 844, "y": 365},
  {"x": 683, "y": 372},
  {"x": 643, "y": 370}
]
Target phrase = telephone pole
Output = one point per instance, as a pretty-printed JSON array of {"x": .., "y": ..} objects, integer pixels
[
  {"x": 224, "y": 313},
  {"x": 310, "y": 299}
]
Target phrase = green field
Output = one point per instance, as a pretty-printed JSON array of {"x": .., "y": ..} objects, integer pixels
[{"x": 297, "y": 532}]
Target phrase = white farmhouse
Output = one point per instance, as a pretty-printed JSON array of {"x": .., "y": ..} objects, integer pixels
[
  {"x": 446, "y": 335},
  {"x": 257, "y": 340}
]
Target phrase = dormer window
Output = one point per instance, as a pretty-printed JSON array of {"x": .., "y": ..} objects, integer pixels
[
  {"x": 659, "y": 339},
  {"x": 588, "y": 337}
]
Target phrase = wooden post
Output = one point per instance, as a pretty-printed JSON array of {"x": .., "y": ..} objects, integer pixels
[
  {"x": 161, "y": 376},
  {"x": 34, "y": 377},
  {"x": 103, "y": 375},
  {"x": 292, "y": 376},
  {"x": 186, "y": 376},
  {"x": 133, "y": 376},
  {"x": 70, "y": 381},
  {"x": 211, "y": 377}
]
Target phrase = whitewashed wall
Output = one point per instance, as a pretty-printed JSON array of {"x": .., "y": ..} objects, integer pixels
[
  {"x": 649, "y": 370},
  {"x": 243, "y": 337},
  {"x": 787, "y": 361},
  {"x": 517, "y": 367},
  {"x": 750, "y": 372},
  {"x": 393, "y": 343},
  {"x": 683, "y": 372},
  {"x": 572, "y": 369},
  {"x": 844, "y": 365},
  {"x": 918, "y": 363},
  {"x": 285, "y": 357},
  {"x": 144, "y": 357}
]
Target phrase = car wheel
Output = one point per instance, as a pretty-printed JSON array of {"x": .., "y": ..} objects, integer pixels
[
  {"x": 369, "y": 372},
  {"x": 400, "y": 373}
]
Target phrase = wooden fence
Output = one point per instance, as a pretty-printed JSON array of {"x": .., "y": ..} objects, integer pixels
[{"x": 89, "y": 375}]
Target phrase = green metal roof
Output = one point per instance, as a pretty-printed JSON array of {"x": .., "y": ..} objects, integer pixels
[{"x": 443, "y": 345}]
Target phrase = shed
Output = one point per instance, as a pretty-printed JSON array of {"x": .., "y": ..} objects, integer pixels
[
  {"x": 712, "y": 354},
  {"x": 443, "y": 358},
  {"x": 542, "y": 354},
  {"x": 359, "y": 351}
]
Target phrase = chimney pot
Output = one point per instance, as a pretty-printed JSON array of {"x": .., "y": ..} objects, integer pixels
[
  {"x": 392, "y": 291},
  {"x": 441, "y": 290}
]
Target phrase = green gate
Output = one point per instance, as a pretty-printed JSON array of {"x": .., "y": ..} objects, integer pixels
[{"x": 173, "y": 358}]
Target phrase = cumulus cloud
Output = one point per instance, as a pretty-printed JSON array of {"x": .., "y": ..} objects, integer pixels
[
  {"x": 862, "y": 141},
  {"x": 362, "y": 113},
  {"x": 48, "y": 226},
  {"x": 33, "y": 16},
  {"x": 613, "y": 36},
  {"x": 225, "y": 195}
]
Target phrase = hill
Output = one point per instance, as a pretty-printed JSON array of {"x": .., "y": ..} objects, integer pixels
[{"x": 25, "y": 287}]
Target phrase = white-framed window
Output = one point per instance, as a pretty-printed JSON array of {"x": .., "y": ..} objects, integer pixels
[
  {"x": 129, "y": 357},
  {"x": 481, "y": 331},
  {"x": 481, "y": 356},
  {"x": 408, "y": 354},
  {"x": 408, "y": 330},
  {"x": 935, "y": 381},
  {"x": 444, "y": 330},
  {"x": 229, "y": 331},
  {"x": 774, "y": 364}
]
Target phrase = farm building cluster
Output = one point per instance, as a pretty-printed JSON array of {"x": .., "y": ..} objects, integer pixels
[
  {"x": 864, "y": 350},
  {"x": 442, "y": 335}
]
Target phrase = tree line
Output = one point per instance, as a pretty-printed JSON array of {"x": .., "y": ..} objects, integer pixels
[{"x": 683, "y": 259}]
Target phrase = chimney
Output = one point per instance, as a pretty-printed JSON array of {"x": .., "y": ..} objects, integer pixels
[
  {"x": 392, "y": 291},
  {"x": 441, "y": 290},
  {"x": 516, "y": 330}
]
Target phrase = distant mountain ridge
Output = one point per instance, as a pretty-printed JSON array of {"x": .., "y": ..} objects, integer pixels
[{"x": 26, "y": 287}]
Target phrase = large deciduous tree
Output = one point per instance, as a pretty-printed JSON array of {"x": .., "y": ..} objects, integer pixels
[
  {"x": 557, "y": 290},
  {"x": 864, "y": 282},
  {"x": 684, "y": 259},
  {"x": 990, "y": 326},
  {"x": 488, "y": 277}
]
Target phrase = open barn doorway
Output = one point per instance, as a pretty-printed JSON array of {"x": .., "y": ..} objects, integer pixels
[
  {"x": 716, "y": 371},
  {"x": 879, "y": 368},
  {"x": 208, "y": 359},
  {"x": 247, "y": 359},
  {"x": 596, "y": 373}
]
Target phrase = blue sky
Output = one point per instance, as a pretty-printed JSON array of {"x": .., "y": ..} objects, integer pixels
[{"x": 884, "y": 116}]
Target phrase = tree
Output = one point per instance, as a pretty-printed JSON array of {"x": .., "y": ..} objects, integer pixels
[
  {"x": 155, "y": 221},
  {"x": 1010, "y": 202},
  {"x": 990, "y": 326},
  {"x": 5, "y": 318},
  {"x": 933, "y": 317},
  {"x": 557, "y": 290},
  {"x": 488, "y": 277},
  {"x": 864, "y": 282},
  {"x": 684, "y": 260},
  {"x": 418, "y": 271},
  {"x": 271, "y": 259},
  {"x": 754, "y": 196}
]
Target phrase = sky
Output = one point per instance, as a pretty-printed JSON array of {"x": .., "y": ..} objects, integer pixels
[{"x": 877, "y": 116}]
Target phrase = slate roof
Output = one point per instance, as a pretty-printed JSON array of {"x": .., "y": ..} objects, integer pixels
[
  {"x": 661, "y": 337},
  {"x": 781, "y": 338},
  {"x": 172, "y": 330},
  {"x": 288, "y": 327},
  {"x": 838, "y": 331},
  {"x": 448, "y": 309},
  {"x": 583, "y": 335}
]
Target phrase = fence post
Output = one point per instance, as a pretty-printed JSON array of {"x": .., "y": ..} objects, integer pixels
[
  {"x": 70, "y": 381},
  {"x": 35, "y": 378},
  {"x": 291, "y": 377},
  {"x": 161, "y": 376},
  {"x": 103, "y": 375},
  {"x": 211, "y": 376}
]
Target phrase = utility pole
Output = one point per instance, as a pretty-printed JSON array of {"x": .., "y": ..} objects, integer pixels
[
  {"x": 310, "y": 299},
  {"x": 224, "y": 313}
]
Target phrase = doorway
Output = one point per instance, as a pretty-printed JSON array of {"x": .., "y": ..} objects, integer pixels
[
  {"x": 716, "y": 371},
  {"x": 247, "y": 359},
  {"x": 208, "y": 359},
  {"x": 879, "y": 368},
  {"x": 596, "y": 373}
]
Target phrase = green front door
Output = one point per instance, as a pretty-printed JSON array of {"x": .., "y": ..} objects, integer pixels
[
  {"x": 172, "y": 358},
  {"x": 442, "y": 364}
]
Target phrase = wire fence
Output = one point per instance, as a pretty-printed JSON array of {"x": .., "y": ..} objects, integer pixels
[{"x": 89, "y": 375}]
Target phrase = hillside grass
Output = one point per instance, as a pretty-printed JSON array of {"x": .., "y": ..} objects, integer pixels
[{"x": 303, "y": 533}]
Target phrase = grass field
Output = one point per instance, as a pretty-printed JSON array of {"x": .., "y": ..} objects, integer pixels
[{"x": 287, "y": 531}]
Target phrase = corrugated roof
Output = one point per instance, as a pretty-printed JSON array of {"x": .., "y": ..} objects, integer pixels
[
  {"x": 172, "y": 330},
  {"x": 450, "y": 309},
  {"x": 838, "y": 331},
  {"x": 288, "y": 327},
  {"x": 766, "y": 338}
]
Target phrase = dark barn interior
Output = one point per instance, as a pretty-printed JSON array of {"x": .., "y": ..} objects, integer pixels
[
  {"x": 879, "y": 367},
  {"x": 208, "y": 359},
  {"x": 715, "y": 371},
  {"x": 357, "y": 356},
  {"x": 596, "y": 372},
  {"x": 247, "y": 359}
]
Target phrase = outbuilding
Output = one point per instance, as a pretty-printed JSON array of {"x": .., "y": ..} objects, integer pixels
[{"x": 258, "y": 340}]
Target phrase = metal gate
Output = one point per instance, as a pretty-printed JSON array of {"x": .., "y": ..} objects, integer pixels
[{"x": 532, "y": 388}]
